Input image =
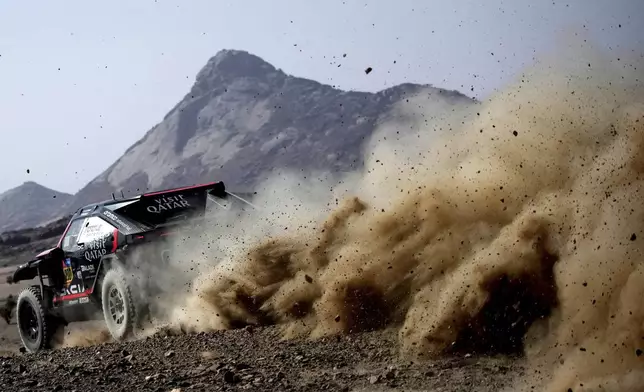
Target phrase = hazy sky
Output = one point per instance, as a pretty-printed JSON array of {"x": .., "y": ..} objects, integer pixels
[{"x": 80, "y": 82}]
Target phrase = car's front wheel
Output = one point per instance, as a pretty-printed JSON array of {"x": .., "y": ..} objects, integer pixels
[
  {"x": 118, "y": 307},
  {"x": 33, "y": 324}
]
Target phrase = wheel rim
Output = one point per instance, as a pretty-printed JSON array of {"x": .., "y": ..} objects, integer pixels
[
  {"x": 28, "y": 321},
  {"x": 116, "y": 305}
]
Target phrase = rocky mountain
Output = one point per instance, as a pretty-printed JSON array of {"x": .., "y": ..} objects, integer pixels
[
  {"x": 29, "y": 205},
  {"x": 244, "y": 118}
]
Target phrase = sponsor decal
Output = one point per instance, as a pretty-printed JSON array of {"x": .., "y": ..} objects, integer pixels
[
  {"x": 87, "y": 268},
  {"x": 73, "y": 289},
  {"x": 96, "y": 249},
  {"x": 92, "y": 231},
  {"x": 71, "y": 302},
  {"x": 168, "y": 204},
  {"x": 83, "y": 300},
  {"x": 98, "y": 243},
  {"x": 67, "y": 271},
  {"x": 79, "y": 274},
  {"x": 116, "y": 219},
  {"x": 92, "y": 255}
]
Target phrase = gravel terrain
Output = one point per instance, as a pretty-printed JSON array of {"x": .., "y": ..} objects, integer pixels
[{"x": 249, "y": 359}]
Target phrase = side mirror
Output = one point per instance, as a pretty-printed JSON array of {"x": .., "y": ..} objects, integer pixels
[{"x": 57, "y": 254}]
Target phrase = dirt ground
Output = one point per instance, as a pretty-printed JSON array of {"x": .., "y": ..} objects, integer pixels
[
  {"x": 254, "y": 360},
  {"x": 249, "y": 359},
  {"x": 9, "y": 339}
]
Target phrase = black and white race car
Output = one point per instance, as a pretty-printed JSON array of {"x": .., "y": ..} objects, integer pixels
[{"x": 84, "y": 275}]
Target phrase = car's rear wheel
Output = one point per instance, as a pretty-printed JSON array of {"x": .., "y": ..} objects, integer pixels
[
  {"x": 33, "y": 324},
  {"x": 118, "y": 306}
]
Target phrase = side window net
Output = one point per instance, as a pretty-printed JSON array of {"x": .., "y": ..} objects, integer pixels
[{"x": 71, "y": 238}]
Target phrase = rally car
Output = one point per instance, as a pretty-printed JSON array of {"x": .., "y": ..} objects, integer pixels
[{"x": 86, "y": 273}]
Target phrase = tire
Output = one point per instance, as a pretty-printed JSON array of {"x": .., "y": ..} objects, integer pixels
[
  {"x": 34, "y": 326},
  {"x": 119, "y": 309}
]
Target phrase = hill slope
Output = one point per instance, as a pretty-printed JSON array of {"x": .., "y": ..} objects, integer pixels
[
  {"x": 29, "y": 205},
  {"x": 243, "y": 118}
]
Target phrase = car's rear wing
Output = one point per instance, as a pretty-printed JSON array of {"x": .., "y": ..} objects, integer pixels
[
  {"x": 29, "y": 270},
  {"x": 153, "y": 210}
]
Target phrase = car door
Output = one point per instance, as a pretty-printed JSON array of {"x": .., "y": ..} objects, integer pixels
[
  {"x": 73, "y": 254},
  {"x": 96, "y": 239}
]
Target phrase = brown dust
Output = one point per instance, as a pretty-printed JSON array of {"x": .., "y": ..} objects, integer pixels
[{"x": 515, "y": 226}]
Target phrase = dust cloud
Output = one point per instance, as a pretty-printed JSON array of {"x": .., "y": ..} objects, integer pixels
[
  {"x": 511, "y": 226},
  {"x": 81, "y": 335}
]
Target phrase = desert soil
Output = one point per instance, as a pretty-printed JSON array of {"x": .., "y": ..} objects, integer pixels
[
  {"x": 249, "y": 359},
  {"x": 253, "y": 360}
]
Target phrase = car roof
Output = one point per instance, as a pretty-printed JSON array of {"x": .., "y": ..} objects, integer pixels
[{"x": 90, "y": 209}]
